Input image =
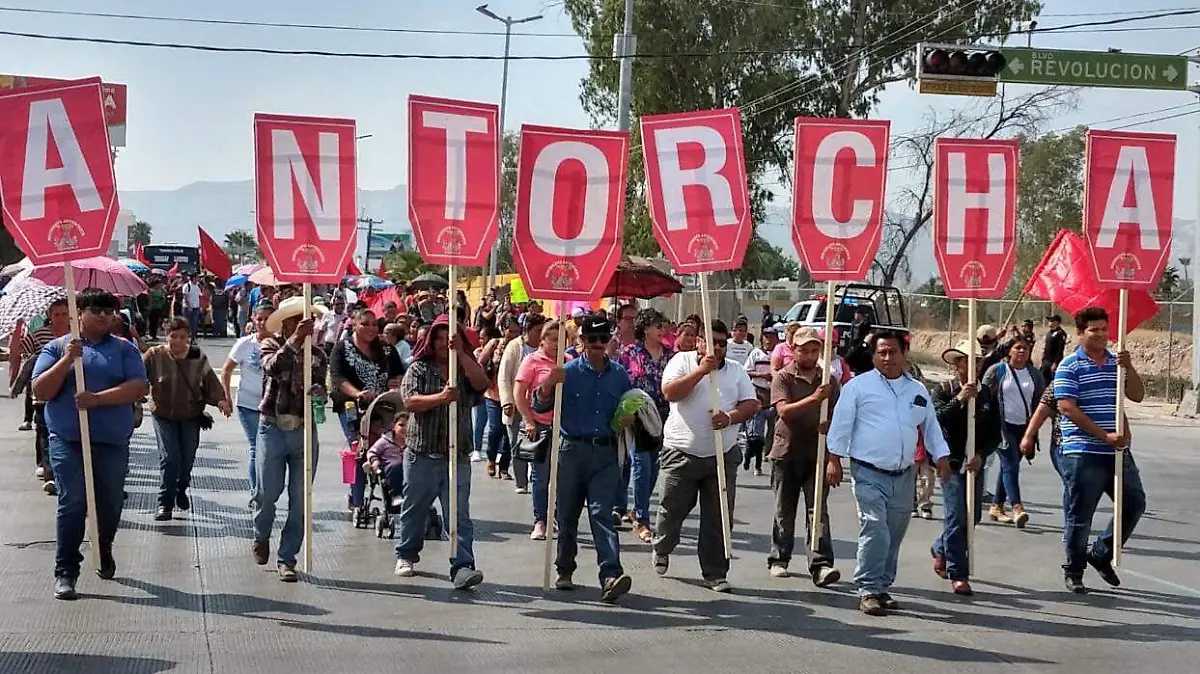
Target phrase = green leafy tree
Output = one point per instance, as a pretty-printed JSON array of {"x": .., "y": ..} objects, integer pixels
[
  {"x": 1051, "y": 187},
  {"x": 242, "y": 245},
  {"x": 1169, "y": 286},
  {"x": 142, "y": 232},
  {"x": 774, "y": 60},
  {"x": 407, "y": 265}
]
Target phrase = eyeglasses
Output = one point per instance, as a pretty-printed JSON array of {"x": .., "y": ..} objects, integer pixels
[
  {"x": 102, "y": 311},
  {"x": 597, "y": 339}
]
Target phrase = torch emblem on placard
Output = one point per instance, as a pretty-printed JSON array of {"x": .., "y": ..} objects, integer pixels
[
  {"x": 452, "y": 240},
  {"x": 65, "y": 235},
  {"x": 1126, "y": 266},
  {"x": 703, "y": 247},
  {"x": 308, "y": 257},
  {"x": 972, "y": 274},
  {"x": 836, "y": 256},
  {"x": 563, "y": 275}
]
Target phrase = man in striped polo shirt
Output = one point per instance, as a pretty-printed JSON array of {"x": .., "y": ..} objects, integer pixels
[{"x": 1086, "y": 388}]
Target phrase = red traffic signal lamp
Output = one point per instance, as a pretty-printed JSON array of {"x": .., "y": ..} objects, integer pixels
[{"x": 958, "y": 69}]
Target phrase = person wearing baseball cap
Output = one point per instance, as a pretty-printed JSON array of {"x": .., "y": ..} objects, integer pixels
[
  {"x": 1055, "y": 347},
  {"x": 587, "y": 467},
  {"x": 796, "y": 395}
]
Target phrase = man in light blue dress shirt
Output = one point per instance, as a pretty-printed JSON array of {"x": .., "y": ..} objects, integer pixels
[{"x": 875, "y": 423}]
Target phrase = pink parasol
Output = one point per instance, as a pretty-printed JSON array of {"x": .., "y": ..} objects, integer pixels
[
  {"x": 248, "y": 269},
  {"x": 264, "y": 277},
  {"x": 93, "y": 272}
]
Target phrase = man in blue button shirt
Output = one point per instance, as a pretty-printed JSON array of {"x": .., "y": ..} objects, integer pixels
[
  {"x": 1085, "y": 385},
  {"x": 587, "y": 463},
  {"x": 114, "y": 379},
  {"x": 875, "y": 423}
]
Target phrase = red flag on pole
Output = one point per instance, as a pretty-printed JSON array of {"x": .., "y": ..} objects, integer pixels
[
  {"x": 139, "y": 254},
  {"x": 174, "y": 270},
  {"x": 212, "y": 257},
  {"x": 382, "y": 273},
  {"x": 1067, "y": 277},
  {"x": 352, "y": 269}
]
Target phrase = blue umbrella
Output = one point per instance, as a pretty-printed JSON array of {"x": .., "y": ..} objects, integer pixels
[
  {"x": 371, "y": 281},
  {"x": 236, "y": 280},
  {"x": 135, "y": 266}
]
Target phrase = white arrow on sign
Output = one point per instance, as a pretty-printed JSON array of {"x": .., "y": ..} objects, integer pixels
[
  {"x": 1016, "y": 66},
  {"x": 1170, "y": 73}
]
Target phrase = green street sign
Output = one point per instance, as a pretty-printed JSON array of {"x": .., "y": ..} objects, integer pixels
[{"x": 1094, "y": 69}]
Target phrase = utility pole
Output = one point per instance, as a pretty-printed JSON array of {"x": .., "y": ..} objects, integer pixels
[
  {"x": 1190, "y": 406},
  {"x": 370, "y": 223},
  {"x": 508, "y": 22},
  {"x": 625, "y": 46}
]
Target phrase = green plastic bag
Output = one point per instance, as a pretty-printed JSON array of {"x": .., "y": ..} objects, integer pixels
[{"x": 627, "y": 408}]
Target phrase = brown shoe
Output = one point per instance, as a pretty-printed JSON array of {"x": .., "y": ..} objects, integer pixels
[
  {"x": 871, "y": 605},
  {"x": 491, "y": 469},
  {"x": 643, "y": 532},
  {"x": 261, "y": 551},
  {"x": 287, "y": 573},
  {"x": 997, "y": 514},
  {"x": 1019, "y": 516},
  {"x": 615, "y": 587},
  {"x": 962, "y": 588}
]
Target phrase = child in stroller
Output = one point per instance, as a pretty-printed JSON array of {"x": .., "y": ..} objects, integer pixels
[{"x": 383, "y": 430}]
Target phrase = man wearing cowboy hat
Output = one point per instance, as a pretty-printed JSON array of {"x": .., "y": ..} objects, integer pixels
[
  {"x": 949, "y": 550},
  {"x": 281, "y": 430}
]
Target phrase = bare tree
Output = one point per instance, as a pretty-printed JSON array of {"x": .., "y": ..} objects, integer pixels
[{"x": 912, "y": 155}]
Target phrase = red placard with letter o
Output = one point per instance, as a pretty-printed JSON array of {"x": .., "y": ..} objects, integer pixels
[
  {"x": 453, "y": 179},
  {"x": 57, "y": 184},
  {"x": 1129, "y": 206},
  {"x": 837, "y": 195},
  {"x": 306, "y": 189},
  {"x": 975, "y": 215},
  {"x": 570, "y": 205},
  {"x": 696, "y": 188}
]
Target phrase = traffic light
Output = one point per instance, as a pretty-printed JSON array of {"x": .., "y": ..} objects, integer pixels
[{"x": 963, "y": 70}]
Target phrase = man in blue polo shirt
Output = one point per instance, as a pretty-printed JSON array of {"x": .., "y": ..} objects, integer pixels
[
  {"x": 587, "y": 463},
  {"x": 1086, "y": 388}
]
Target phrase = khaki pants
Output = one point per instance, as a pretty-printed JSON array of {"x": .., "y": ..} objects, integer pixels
[{"x": 926, "y": 479}]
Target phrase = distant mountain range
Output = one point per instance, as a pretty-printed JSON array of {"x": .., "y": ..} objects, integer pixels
[{"x": 221, "y": 207}]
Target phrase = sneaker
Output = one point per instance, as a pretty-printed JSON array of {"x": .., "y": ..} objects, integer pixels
[
  {"x": 871, "y": 605},
  {"x": 720, "y": 585},
  {"x": 661, "y": 563},
  {"x": 108, "y": 565},
  {"x": 927, "y": 513},
  {"x": 261, "y": 551},
  {"x": 962, "y": 588},
  {"x": 163, "y": 514},
  {"x": 478, "y": 457},
  {"x": 939, "y": 566},
  {"x": 563, "y": 582},
  {"x": 1020, "y": 517},
  {"x": 182, "y": 501},
  {"x": 40, "y": 473},
  {"x": 889, "y": 603},
  {"x": 618, "y": 520},
  {"x": 466, "y": 578},
  {"x": 64, "y": 588},
  {"x": 826, "y": 576},
  {"x": 915, "y": 514},
  {"x": 758, "y": 472},
  {"x": 997, "y": 514},
  {"x": 615, "y": 587},
  {"x": 1074, "y": 584},
  {"x": 505, "y": 475},
  {"x": 779, "y": 571},
  {"x": 1105, "y": 569},
  {"x": 405, "y": 568},
  {"x": 539, "y": 532},
  {"x": 50, "y": 488},
  {"x": 521, "y": 490},
  {"x": 27, "y": 426},
  {"x": 287, "y": 573}
]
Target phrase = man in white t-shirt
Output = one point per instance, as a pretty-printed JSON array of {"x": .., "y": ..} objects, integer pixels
[
  {"x": 247, "y": 356},
  {"x": 190, "y": 297},
  {"x": 738, "y": 348},
  {"x": 688, "y": 458}
]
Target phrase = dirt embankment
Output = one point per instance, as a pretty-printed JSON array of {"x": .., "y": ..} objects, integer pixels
[{"x": 1152, "y": 350}]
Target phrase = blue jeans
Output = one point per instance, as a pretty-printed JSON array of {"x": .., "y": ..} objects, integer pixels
[
  {"x": 193, "y": 319},
  {"x": 249, "y": 420},
  {"x": 621, "y": 495},
  {"x": 358, "y": 490},
  {"x": 280, "y": 458},
  {"x": 1087, "y": 477},
  {"x": 498, "y": 449},
  {"x": 393, "y": 471},
  {"x": 480, "y": 419},
  {"x": 539, "y": 479},
  {"x": 587, "y": 473},
  {"x": 884, "y": 509},
  {"x": 645, "y": 476},
  {"x": 177, "y": 443},
  {"x": 109, "y": 463},
  {"x": 1008, "y": 482},
  {"x": 427, "y": 479},
  {"x": 952, "y": 543}
]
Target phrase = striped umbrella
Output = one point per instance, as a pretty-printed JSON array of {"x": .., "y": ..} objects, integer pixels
[
  {"x": 93, "y": 272},
  {"x": 26, "y": 301}
]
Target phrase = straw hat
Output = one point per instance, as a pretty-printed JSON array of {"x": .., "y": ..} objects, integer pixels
[
  {"x": 960, "y": 350},
  {"x": 291, "y": 308}
]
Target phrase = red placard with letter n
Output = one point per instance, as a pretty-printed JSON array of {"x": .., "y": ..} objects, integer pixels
[
  {"x": 1129, "y": 206},
  {"x": 306, "y": 190},
  {"x": 837, "y": 195},
  {"x": 570, "y": 204},
  {"x": 975, "y": 215},
  {"x": 57, "y": 185},
  {"x": 696, "y": 188},
  {"x": 453, "y": 179}
]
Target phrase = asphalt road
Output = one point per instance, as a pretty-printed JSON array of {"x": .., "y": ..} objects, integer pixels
[{"x": 188, "y": 597}]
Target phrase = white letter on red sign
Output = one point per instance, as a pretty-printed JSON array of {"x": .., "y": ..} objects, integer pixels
[
  {"x": 1132, "y": 167},
  {"x": 456, "y": 127},
  {"x": 595, "y": 198},
  {"x": 822, "y": 202},
  {"x": 324, "y": 205},
  {"x": 959, "y": 201},
  {"x": 674, "y": 178},
  {"x": 48, "y": 119}
]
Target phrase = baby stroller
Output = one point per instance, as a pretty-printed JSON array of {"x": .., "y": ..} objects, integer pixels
[{"x": 377, "y": 420}]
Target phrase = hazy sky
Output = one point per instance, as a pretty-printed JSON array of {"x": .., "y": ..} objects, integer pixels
[{"x": 190, "y": 112}]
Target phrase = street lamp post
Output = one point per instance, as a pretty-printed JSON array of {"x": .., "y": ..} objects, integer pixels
[
  {"x": 508, "y": 22},
  {"x": 1191, "y": 399}
]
